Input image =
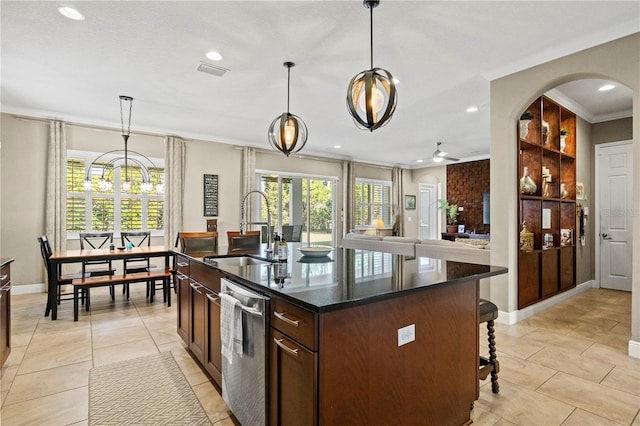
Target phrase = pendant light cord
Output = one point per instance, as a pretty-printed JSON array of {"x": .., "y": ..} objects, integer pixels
[
  {"x": 371, "y": 31},
  {"x": 288, "y": 85}
]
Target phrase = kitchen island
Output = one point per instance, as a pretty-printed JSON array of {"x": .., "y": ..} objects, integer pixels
[{"x": 357, "y": 337}]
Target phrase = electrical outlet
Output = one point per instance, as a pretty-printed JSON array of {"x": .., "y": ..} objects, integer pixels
[{"x": 406, "y": 334}]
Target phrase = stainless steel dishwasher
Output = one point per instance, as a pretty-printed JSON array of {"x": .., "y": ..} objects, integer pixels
[{"x": 243, "y": 376}]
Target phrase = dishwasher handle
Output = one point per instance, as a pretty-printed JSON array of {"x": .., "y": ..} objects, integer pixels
[{"x": 248, "y": 309}]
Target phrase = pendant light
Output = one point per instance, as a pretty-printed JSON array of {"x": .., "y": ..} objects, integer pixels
[
  {"x": 371, "y": 95},
  {"x": 105, "y": 164},
  {"x": 287, "y": 132}
]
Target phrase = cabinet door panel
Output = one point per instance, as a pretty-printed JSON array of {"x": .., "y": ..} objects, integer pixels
[
  {"x": 293, "y": 382},
  {"x": 197, "y": 316},
  {"x": 182, "y": 283},
  {"x": 529, "y": 278},
  {"x": 549, "y": 272},
  {"x": 213, "y": 353},
  {"x": 567, "y": 277}
]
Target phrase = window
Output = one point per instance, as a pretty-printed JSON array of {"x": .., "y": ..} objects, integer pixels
[
  {"x": 302, "y": 203},
  {"x": 372, "y": 201},
  {"x": 107, "y": 207}
]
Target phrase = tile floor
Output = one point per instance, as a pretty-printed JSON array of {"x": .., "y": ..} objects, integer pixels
[{"x": 565, "y": 366}]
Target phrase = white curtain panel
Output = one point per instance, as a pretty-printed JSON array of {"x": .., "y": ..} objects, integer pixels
[
  {"x": 174, "y": 157},
  {"x": 248, "y": 180},
  {"x": 56, "y": 193},
  {"x": 349, "y": 179},
  {"x": 397, "y": 185}
]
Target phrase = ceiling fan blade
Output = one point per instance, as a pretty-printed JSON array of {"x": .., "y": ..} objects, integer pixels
[{"x": 451, "y": 158}]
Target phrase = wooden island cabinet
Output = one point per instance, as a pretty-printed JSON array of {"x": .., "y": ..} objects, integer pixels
[
  {"x": 398, "y": 348},
  {"x": 5, "y": 309}
]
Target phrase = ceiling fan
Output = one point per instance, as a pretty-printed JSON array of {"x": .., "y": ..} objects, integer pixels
[{"x": 438, "y": 155}]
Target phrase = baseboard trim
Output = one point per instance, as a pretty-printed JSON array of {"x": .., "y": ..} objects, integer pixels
[
  {"x": 634, "y": 349},
  {"x": 510, "y": 318},
  {"x": 28, "y": 289}
]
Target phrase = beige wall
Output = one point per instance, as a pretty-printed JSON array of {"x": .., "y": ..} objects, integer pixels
[
  {"x": 618, "y": 60},
  {"x": 24, "y": 153},
  {"x": 612, "y": 131}
]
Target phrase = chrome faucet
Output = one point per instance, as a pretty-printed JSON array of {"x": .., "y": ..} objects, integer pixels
[{"x": 268, "y": 222}]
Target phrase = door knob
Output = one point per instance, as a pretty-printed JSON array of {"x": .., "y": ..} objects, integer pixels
[{"x": 606, "y": 236}]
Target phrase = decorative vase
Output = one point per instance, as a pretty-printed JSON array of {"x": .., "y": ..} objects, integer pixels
[
  {"x": 563, "y": 191},
  {"x": 545, "y": 132},
  {"x": 452, "y": 229},
  {"x": 526, "y": 238},
  {"x": 524, "y": 128},
  {"x": 527, "y": 185},
  {"x": 563, "y": 142}
]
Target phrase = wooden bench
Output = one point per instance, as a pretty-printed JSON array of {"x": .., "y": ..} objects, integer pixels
[{"x": 83, "y": 283}]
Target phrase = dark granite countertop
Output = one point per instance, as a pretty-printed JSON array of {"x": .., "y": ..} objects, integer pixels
[
  {"x": 348, "y": 277},
  {"x": 5, "y": 261}
]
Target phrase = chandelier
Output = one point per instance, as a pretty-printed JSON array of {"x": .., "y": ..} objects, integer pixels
[
  {"x": 371, "y": 95},
  {"x": 287, "y": 132},
  {"x": 112, "y": 160}
]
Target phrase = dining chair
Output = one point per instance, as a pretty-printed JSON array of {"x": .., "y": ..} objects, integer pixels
[
  {"x": 198, "y": 242},
  {"x": 63, "y": 280},
  {"x": 137, "y": 264},
  {"x": 247, "y": 242},
  {"x": 97, "y": 240}
]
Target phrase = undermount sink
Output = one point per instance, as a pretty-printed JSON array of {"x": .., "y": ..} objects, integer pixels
[{"x": 236, "y": 261}]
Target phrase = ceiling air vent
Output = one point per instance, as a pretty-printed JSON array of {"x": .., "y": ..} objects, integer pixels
[{"x": 212, "y": 69}]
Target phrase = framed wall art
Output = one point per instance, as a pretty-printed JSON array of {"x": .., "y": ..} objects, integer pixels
[
  {"x": 210, "y": 195},
  {"x": 409, "y": 202}
]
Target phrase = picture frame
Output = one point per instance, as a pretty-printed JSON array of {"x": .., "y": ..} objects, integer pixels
[
  {"x": 410, "y": 202},
  {"x": 460, "y": 229},
  {"x": 210, "y": 195},
  {"x": 566, "y": 237},
  {"x": 579, "y": 191}
]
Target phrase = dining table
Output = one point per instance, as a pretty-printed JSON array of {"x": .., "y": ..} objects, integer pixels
[{"x": 58, "y": 258}]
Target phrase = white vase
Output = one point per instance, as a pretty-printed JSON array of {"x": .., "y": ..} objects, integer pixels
[
  {"x": 563, "y": 192},
  {"x": 563, "y": 142},
  {"x": 524, "y": 128},
  {"x": 527, "y": 185}
]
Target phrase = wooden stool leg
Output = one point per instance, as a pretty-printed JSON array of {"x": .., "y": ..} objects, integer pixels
[{"x": 495, "y": 387}]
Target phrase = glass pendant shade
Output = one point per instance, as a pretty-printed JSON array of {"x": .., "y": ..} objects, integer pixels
[
  {"x": 287, "y": 132},
  {"x": 371, "y": 98}
]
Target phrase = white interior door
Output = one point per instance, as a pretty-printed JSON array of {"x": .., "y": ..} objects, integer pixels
[
  {"x": 427, "y": 205},
  {"x": 615, "y": 204}
]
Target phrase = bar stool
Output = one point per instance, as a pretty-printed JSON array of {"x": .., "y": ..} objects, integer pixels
[{"x": 488, "y": 313}]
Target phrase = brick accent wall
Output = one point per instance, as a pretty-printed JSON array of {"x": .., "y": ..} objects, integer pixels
[{"x": 466, "y": 184}]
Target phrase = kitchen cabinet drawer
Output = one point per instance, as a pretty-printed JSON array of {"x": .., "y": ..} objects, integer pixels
[
  {"x": 206, "y": 275},
  {"x": 182, "y": 264},
  {"x": 295, "y": 322}
]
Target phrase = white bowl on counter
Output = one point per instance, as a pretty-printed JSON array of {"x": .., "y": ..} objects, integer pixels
[{"x": 315, "y": 251}]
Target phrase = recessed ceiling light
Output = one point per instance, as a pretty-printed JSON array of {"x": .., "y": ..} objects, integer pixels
[
  {"x": 337, "y": 146},
  {"x": 71, "y": 13},
  {"x": 472, "y": 109},
  {"x": 419, "y": 161},
  {"x": 607, "y": 87},
  {"x": 214, "y": 56}
]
